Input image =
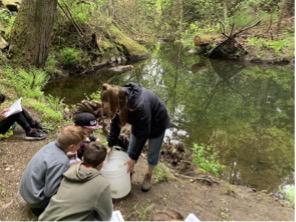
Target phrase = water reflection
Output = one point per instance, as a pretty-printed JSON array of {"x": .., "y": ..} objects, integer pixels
[{"x": 245, "y": 113}]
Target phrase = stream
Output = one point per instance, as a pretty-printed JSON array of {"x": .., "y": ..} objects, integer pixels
[{"x": 242, "y": 114}]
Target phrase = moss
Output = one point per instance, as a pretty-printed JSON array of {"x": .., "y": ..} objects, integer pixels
[{"x": 132, "y": 47}]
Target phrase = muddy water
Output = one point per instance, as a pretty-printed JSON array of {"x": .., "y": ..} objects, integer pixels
[{"x": 243, "y": 114}]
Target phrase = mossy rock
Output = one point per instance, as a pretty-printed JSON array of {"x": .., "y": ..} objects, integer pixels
[{"x": 130, "y": 47}]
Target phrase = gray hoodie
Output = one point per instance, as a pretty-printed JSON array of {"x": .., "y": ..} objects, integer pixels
[
  {"x": 83, "y": 195},
  {"x": 43, "y": 175}
]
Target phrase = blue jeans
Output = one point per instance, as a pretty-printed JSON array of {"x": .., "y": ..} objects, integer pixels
[{"x": 154, "y": 145}]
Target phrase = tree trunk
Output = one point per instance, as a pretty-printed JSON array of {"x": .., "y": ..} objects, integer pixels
[
  {"x": 177, "y": 15},
  {"x": 31, "y": 34},
  {"x": 286, "y": 9}
]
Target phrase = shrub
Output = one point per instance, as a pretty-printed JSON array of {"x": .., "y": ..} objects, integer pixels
[
  {"x": 162, "y": 173},
  {"x": 27, "y": 83},
  {"x": 70, "y": 56},
  {"x": 206, "y": 161},
  {"x": 6, "y": 20}
]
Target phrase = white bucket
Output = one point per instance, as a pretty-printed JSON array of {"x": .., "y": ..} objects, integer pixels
[{"x": 115, "y": 171}]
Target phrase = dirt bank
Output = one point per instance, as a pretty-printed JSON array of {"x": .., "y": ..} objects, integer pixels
[{"x": 217, "y": 202}]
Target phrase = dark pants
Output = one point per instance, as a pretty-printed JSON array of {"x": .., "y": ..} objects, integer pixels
[
  {"x": 23, "y": 119},
  {"x": 38, "y": 209}
]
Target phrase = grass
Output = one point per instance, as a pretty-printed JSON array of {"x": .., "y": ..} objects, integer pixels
[
  {"x": 28, "y": 84},
  {"x": 162, "y": 173}
]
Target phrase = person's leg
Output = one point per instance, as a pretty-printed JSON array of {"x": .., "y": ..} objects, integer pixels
[
  {"x": 153, "y": 157},
  {"x": 38, "y": 209},
  {"x": 31, "y": 133},
  {"x": 130, "y": 145},
  {"x": 9, "y": 121},
  {"x": 33, "y": 123}
]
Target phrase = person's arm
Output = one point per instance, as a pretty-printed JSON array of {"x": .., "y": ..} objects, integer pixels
[
  {"x": 104, "y": 206},
  {"x": 114, "y": 131},
  {"x": 141, "y": 131},
  {"x": 53, "y": 178}
]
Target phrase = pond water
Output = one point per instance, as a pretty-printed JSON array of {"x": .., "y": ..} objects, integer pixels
[{"x": 243, "y": 114}]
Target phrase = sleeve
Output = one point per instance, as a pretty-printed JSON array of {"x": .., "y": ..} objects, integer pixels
[
  {"x": 53, "y": 178},
  {"x": 141, "y": 132},
  {"x": 114, "y": 131},
  {"x": 104, "y": 206}
]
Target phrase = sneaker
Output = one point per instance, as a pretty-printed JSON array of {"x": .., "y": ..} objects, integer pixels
[
  {"x": 146, "y": 185},
  {"x": 38, "y": 126},
  {"x": 34, "y": 134}
]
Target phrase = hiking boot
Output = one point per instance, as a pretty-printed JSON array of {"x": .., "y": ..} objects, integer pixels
[
  {"x": 146, "y": 185},
  {"x": 35, "y": 134}
]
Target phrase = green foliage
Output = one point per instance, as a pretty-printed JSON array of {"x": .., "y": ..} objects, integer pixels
[
  {"x": 277, "y": 46},
  {"x": 83, "y": 12},
  {"x": 51, "y": 65},
  {"x": 6, "y": 20},
  {"x": 27, "y": 83},
  {"x": 289, "y": 194},
  {"x": 7, "y": 134},
  {"x": 50, "y": 109},
  {"x": 69, "y": 57},
  {"x": 162, "y": 173},
  {"x": 95, "y": 96},
  {"x": 206, "y": 161}
]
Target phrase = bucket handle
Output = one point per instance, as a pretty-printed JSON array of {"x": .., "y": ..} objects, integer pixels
[{"x": 117, "y": 148}]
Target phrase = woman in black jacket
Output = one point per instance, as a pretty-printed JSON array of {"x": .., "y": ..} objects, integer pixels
[{"x": 148, "y": 117}]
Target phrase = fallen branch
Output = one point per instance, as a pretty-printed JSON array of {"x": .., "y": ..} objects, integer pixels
[
  {"x": 205, "y": 179},
  {"x": 245, "y": 29}
]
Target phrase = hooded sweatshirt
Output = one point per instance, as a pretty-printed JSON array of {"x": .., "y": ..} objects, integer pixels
[
  {"x": 83, "y": 195},
  {"x": 43, "y": 175},
  {"x": 149, "y": 118}
]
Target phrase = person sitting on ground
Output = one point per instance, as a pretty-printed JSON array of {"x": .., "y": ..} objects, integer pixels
[
  {"x": 89, "y": 123},
  {"x": 33, "y": 129},
  {"x": 84, "y": 194},
  {"x": 44, "y": 172},
  {"x": 148, "y": 117}
]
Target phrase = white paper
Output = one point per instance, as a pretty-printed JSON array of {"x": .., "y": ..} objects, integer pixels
[
  {"x": 191, "y": 218},
  {"x": 16, "y": 107},
  {"x": 117, "y": 216}
]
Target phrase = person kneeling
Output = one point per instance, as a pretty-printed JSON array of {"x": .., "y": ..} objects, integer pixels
[
  {"x": 84, "y": 194},
  {"x": 44, "y": 172}
]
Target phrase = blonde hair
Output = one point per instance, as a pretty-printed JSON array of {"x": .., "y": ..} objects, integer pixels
[
  {"x": 70, "y": 135},
  {"x": 116, "y": 97}
]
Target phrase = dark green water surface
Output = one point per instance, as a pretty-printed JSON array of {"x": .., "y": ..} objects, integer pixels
[{"x": 245, "y": 113}]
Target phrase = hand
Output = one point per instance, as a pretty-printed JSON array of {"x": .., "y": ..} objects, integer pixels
[
  {"x": 2, "y": 114},
  {"x": 130, "y": 165}
]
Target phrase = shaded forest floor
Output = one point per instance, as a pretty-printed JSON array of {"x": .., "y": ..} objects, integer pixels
[{"x": 220, "y": 201}]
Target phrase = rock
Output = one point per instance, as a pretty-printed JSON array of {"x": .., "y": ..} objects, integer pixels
[
  {"x": 120, "y": 69},
  {"x": 3, "y": 43},
  {"x": 12, "y": 5}
]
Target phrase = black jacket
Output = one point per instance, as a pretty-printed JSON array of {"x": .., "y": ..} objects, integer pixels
[{"x": 148, "y": 120}]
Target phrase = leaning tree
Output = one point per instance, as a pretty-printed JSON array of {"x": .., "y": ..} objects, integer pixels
[{"x": 31, "y": 33}]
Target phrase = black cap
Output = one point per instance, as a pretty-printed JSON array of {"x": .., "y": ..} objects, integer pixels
[{"x": 87, "y": 120}]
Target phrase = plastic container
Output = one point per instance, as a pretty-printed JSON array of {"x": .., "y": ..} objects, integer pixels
[{"x": 115, "y": 171}]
